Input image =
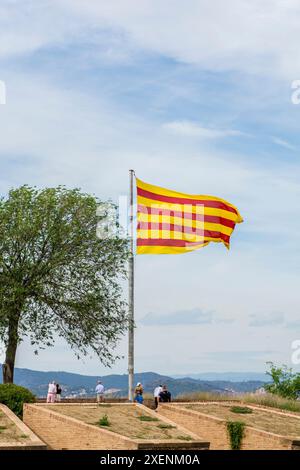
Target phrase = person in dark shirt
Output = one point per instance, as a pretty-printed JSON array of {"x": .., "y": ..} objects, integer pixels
[
  {"x": 165, "y": 395},
  {"x": 58, "y": 392}
]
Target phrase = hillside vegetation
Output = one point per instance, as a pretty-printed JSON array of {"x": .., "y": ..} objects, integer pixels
[{"x": 255, "y": 399}]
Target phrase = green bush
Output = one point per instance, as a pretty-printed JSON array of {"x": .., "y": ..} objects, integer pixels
[
  {"x": 185, "y": 438},
  {"x": 147, "y": 418},
  {"x": 235, "y": 430},
  {"x": 104, "y": 421},
  {"x": 285, "y": 383},
  {"x": 15, "y": 396},
  {"x": 165, "y": 426},
  {"x": 241, "y": 410}
]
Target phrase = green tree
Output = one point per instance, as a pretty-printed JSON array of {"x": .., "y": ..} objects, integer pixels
[
  {"x": 57, "y": 278},
  {"x": 285, "y": 383}
]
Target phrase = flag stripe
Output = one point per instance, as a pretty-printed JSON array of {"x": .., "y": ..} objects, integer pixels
[
  {"x": 167, "y": 250},
  {"x": 176, "y": 200},
  {"x": 168, "y": 192},
  {"x": 214, "y": 219},
  {"x": 198, "y": 229},
  {"x": 189, "y": 209},
  {"x": 190, "y": 237},
  {"x": 182, "y": 221},
  {"x": 160, "y": 242}
]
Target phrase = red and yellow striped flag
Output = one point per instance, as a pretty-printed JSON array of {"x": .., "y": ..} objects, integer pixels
[{"x": 171, "y": 222}]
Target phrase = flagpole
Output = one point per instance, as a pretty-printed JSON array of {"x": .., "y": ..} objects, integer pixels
[{"x": 131, "y": 293}]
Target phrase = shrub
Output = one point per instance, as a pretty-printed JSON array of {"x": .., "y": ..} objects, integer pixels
[
  {"x": 235, "y": 430},
  {"x": 104, "y": 421},
  {"x": 14, "y": 397},
  {"x": 240, "y": 409},
  {"x": 165, "y": 426},
  {"x": 285, "y": 383},
  {"x": 147, "y": 418},
  {"x": 185, "y": 438}
]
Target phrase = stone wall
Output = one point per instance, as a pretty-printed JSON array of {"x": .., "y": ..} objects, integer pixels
[
  {"x": 34, "y": 442},
  {"x": 63, "y": 432},
  {"x": 214, "y": 430}
]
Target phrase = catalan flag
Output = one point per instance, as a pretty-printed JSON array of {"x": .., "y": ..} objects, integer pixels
[{"x": 169, "y": 222}]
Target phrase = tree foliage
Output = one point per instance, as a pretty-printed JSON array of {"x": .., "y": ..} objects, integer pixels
[
  {"x": 57, "y": 278},
  {"x": 285, "y": 383},
  {"x": 15, "y": 396}
]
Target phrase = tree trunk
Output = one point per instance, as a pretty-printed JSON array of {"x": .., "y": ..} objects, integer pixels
[{"x": 11, "y": 349}]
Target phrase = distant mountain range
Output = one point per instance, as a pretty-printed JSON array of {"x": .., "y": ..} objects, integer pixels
[
  {"x": 231, "y": 376},
  {"x": 84, "y": 385}
]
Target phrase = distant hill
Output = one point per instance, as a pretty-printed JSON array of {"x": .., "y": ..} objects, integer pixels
[
  {"x": 82, "y": 385},
  {"x": 228, "y": 376}
]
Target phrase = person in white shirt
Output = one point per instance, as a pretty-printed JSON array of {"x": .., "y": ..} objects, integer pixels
[
  {"x": 51, "y": 396},
  {"x": 156, "y": 393},
  {"x": 99, "y": 391}
]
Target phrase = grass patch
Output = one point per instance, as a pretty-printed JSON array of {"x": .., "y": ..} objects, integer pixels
[
  {"x": 273, "y": 401},
  {"x": 104, "y": 421},
  {"x": 241, "y": 410},
  {"x": 185, "y": 438},
  {"x": 24, "y": 436},
  {"x": 267, "y": 399},
  {"x": 124, "y": 420},
  {"x": 2, "y": 428},
  {"x": 235, "y": 430},
  {"x": 166, "y": 426},
  {"x": 206, "y": 396},
  {"x": 147, "y": 418},
  {"x": 104, "y": 405}
]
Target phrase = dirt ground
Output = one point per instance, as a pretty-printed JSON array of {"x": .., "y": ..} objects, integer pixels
[
  {"x": 9, "y": 433},
  {"x": 271, "y": 422},
  {"x": 123, "y": 420}
]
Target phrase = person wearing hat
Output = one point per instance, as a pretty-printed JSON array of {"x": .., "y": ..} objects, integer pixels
[{"x": 139, "y": 393}]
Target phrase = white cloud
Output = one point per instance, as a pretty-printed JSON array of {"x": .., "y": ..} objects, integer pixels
[
  {"x": 195, "y": 316},
  {"x": 28, "y": 26},
  {"x": 192, "y": 129},
  {"x": 283, "y": 143},
  {"x": 266, "y": 319},
  {"x": 260, "y": 36}
]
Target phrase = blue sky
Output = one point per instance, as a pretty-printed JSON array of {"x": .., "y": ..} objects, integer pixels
[{"x": 196, "y": 97}]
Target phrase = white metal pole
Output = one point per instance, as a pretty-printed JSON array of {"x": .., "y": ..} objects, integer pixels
[{"x": 131, "y": 295}]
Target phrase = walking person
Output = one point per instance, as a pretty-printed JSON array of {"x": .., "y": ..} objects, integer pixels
[
  {"x": 138, "y": 392},
  {"x": 165, "y": 395},
  {"x": 51, "y": 396},
  {"x": 99, "y": 391},
  {"x": 58, "y": 393},
  {"x": 156, "y": 393}
]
